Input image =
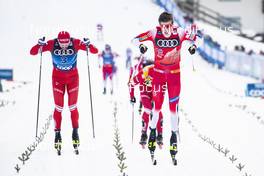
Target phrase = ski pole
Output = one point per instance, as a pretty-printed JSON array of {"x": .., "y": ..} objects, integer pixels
[
  {"x": 133, "y": 74},
  {"x": 91, "y": 99},
  {"x": 132, "y": 122},
  {"x": 193, "y": 67},
  {"x": 40, "y": 67}
]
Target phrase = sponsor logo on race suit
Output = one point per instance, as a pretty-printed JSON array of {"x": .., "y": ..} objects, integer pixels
[
  {"x": 64, "y": 59},
  {"x": 167, "y": 43}
]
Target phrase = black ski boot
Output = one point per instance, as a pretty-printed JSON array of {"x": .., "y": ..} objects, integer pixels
[
  {"x": 75, "y": 140},
  {"x": 173, "y": 147},
  {"x": 57, "y": 141},
  {"x": 152, "y": 145},
  {"x": 152, "y": 140},
  {"x": 104, "y": 92},
  {"x": 160, "y": 140},
  {"x": 112, "y": 92},
  {"x": 143, "y": 139}
]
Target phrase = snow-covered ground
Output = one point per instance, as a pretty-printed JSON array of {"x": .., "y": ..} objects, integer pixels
[{"x": 214, "y": 116}]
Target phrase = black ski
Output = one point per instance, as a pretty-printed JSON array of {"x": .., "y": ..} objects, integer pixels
[
  {"x": 76, "y": 151},
  {"x": 58, "y": 148},
  {"x": 153, "y": 159},
  {"x": 59, "y": 152},
  {"x": 174, "y": 160}
]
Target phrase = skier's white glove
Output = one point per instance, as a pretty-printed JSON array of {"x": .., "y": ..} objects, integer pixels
[
  {"x": 86, "y": 41},
  {"x": 42, "y": 41}
]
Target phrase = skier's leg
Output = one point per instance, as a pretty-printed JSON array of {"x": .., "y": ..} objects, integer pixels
[
  {"x": 158, "y": 98},
  {"x": 160, "y": 129},
  {"x": 174, "y": 87},
  {"x": 110, "y": 73},
  {"x": 146, "y": 102},
  {"x": 104, "y": 79},
  {"x": 73, "y": 89},
  {"x": 160, "y": 123},
  {"x": 58, "y": 95},
  {"x": 145, "y": 119}
]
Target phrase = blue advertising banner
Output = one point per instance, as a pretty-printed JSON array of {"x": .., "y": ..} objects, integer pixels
[
  {"x": 6, "y": 74},
  {"x": 255, "y": 90}
]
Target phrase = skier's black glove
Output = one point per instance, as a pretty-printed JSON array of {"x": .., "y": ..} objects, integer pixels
[
  {"x": 86, "y": 42},
  {"x": 143, "y": 48},
  {"x": 133, "y": 100},
  {"x": 192, "y": 49},
  {"x": 42, "y": 41}
]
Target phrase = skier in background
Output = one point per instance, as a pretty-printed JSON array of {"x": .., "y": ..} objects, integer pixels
[
  {"x": 99, "y": 32},
  {"x": 132, "y": 72},
  {"x": 64, "y": 50},
  {"x": 167, "y": 40},
  {"x": 144, "y": 79},
  {"x": 109, "y": 67},
  {"x": 128, "y": 58}
]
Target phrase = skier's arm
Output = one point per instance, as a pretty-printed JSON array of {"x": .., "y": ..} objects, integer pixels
[
  {"x": 79, "y": 45},
  {"x": 146, "y": 36},
  {"x": 190, "y": 34},
  {"x": 193, "y": 37},
  {"x": 36, "y": 49},
  {"x": 115, "y": 54}
]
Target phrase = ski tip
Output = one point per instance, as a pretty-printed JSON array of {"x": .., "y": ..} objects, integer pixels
[
  {"x": 174, "y": 162},
  {"x": 76, "y": 151}
]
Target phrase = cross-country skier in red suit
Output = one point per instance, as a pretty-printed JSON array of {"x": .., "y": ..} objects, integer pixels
[
  {"x": 132, "y": 72},
  {"x": 109, "y": 67},
  {"x": 167, "y": 41},
  {"x": 64, "y": 50},
  {"x": 144, "y": 79}
]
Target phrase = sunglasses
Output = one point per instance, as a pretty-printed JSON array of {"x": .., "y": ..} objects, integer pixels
[{"x": 64, "y": 44}]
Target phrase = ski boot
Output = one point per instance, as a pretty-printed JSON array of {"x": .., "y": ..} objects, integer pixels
[
  {"x": 143, "y": 139},
  {"x": 57, "y": 141},
  {"x": 160, "y": 140},
  {"x": 104, "y": 92},
  {"x": 173, "y": 147},
  {"x": 112, "y": 92},
  {"x": 75, "y": 140},
  {"x": 152, "y": 145}
]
